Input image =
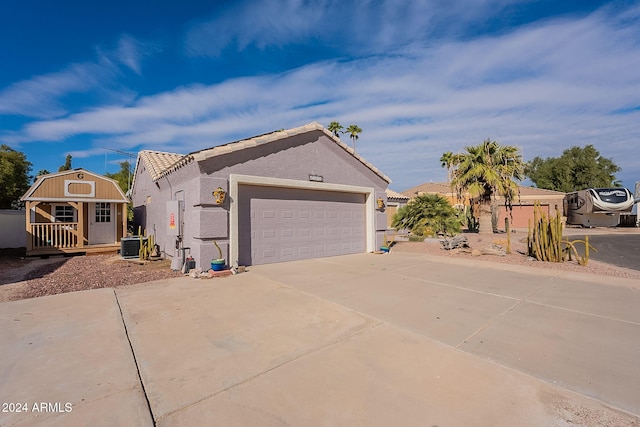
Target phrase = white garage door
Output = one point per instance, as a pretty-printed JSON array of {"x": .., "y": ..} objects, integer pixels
[{"x": 283, "y": 224}]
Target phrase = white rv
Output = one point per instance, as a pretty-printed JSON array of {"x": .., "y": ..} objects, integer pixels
[{"x": 597, "y": 207}]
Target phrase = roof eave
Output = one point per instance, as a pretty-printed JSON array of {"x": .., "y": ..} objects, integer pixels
[{"x": 205, "y": 154}]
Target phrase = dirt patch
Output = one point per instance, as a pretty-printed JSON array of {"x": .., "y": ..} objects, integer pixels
[
  {"x": 37, "y": 278},
  {"x": 517, "y": 257},
  {"x": 12, "y": 269}
]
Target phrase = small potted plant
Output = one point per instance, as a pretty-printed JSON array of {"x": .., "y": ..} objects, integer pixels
[
  {"x": 386, "y": 243},
  {"x": 218, "y": 264}
]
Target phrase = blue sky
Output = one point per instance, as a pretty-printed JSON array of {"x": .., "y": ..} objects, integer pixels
[{"x": 419, "y": 77}]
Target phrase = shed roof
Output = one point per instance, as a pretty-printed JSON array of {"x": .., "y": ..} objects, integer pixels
[
  {"x": 109, "y": 191},
  {"x": 161, "y": 164}
]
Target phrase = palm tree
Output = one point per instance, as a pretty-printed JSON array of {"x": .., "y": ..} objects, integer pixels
[
  {"x": 335, "y": 127},
  {"x": 353, "y": 131},
  {"x": 447, "y": 161},
  {"x": 485, "y": 171}
]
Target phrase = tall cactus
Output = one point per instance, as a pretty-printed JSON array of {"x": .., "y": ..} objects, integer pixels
[
  {"x": 146, "y": 246},
  {"x": 544, "y": 239},
  {"x": 571, "y": 247},
  {"x": 508, "y": 231}
]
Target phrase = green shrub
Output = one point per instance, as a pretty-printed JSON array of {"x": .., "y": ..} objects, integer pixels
[{"x": 428, "y": 215}]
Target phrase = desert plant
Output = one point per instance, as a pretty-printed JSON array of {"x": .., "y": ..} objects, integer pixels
[
  {"x": 146, "y": 244},
  {"x": 508, "y": 231},
  {"x": 389, "y": 241},
  {"x": 570, "y": 247},
  {"x": 428, "y": 214},
  {"x": 219, "y": 249},
  {"x": 485, "y": 171},
  {"x": 545, "y": 243},
  {"x": 468, "y": 218},
  {"x": 544, "y": 239}
]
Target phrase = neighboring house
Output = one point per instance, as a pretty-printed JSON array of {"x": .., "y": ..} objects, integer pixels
[
  {"x": 395, "y": 201},
  {"x": 74, "y": 211},
  {"x": 549, "y": 200},
  {"x": 287, "y": 195}
]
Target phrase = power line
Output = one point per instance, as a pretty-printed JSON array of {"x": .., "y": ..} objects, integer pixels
[{"x": 130, "y": 156}]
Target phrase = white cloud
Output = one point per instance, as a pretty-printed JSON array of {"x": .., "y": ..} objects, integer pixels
[
  {"x": 357, "y": 27},
  {"x": 39, "y": 96},
  {"x": 544, "y": 87},
  {"x": 129, "y": 53},
  {"x": 44, "y": 96}
]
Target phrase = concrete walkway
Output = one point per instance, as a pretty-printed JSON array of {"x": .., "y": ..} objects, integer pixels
[{"x": 398, "y": 339}]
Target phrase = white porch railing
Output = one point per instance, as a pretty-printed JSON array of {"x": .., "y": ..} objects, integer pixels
[{"x": 54, "y": 235}]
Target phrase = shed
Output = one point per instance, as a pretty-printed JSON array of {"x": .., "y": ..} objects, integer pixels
[
  {"x": 74, "y": 211},
  {"x": 286, "y": 195}
]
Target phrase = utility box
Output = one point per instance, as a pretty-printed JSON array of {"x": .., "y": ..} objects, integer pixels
[
  {"x": 174, "y": 218},
  {"x": 130, "y": 246}
]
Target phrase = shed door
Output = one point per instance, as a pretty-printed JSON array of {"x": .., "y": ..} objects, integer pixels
[
  {"x": 102, "y": 223},
  {"x": 284, "y": 224}
]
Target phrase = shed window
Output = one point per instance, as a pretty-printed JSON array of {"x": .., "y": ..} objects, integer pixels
[
  {"x": 64, "y": 213},
  {"x": 103, "y": 212}
]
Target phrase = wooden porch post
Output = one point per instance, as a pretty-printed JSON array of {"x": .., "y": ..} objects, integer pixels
[
  {"x": 80, "y": 209},
  {"x": 80, "y": 232},
  {"x": 124, "y": 220},
  {"x": 29, "y": 242}
]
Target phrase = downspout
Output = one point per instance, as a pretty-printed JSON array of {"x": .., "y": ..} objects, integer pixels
[{"x": 164, "y": 250}]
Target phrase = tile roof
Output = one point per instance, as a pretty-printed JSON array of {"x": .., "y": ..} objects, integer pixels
[
  {"x": 534, "y": 191},
  {"x": 395, "y": 195},
  {"x": 429, "y": 187},
  {"x": 445, "y": 188},
  {"x": 265, "y": 139},
  {"x": 157, "y": 162}
]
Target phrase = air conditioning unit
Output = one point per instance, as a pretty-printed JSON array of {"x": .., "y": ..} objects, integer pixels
[{"x": 130, "y": 247}]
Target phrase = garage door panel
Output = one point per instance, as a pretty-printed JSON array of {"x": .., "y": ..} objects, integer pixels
[
  {"x": 288, "y": 224},
  {"x": 519, "y": 216}
]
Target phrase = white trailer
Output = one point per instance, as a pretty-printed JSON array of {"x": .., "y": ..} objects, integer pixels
[{"x": 597, "y": 207}]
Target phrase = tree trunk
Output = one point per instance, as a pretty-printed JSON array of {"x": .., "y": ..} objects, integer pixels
[{"x": 485, "y": 222}]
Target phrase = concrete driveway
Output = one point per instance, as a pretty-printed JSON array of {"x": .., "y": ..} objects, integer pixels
[{"x": 399, "y": 339}]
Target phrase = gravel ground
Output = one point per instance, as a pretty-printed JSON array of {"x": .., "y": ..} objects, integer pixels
[
  {"x": 517, "y": 256},
  {"x": 31, "y": 278}
]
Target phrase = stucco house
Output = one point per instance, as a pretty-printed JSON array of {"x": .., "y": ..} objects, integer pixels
[
  {"x": 74, "y": 211},
  {"x": 286, "y": 195},
  {"x": 395, "y": 201},
  {"x": 522, "y": 211}
]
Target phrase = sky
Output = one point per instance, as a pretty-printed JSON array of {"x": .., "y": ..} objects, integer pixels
[{"x": 97, "y": 79}]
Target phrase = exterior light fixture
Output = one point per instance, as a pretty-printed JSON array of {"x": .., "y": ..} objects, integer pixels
[
  {"x": 219, "y": 195},
  {"x": 380, "y": 203}
]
